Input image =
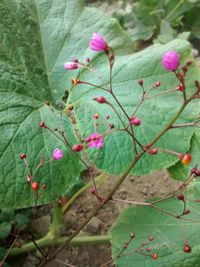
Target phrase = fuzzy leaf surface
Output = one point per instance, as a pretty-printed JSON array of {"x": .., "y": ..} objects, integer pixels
[{"x": 37, "y": 37}]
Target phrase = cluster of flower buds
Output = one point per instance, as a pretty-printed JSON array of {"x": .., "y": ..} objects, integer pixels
[
  {"x": 195, "y": 171},
  {"x": 97, "y": 44},
  {"x": 57, "y": 155}
]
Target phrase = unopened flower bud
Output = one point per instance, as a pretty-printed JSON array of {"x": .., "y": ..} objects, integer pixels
[
  {"x": 186, "y": 159},
  {"x": 181, "y": 87},
  {"x": 135, "y": 121},
  {"x": 187, "y": 248},
  {"x": 154, "y": 256},
  {"x": 100, "y": 99},
  {"x": 57, "y": 154},
  {"x": 23, "y": 156},
  {"x": 29, "y": 178},
  {"x": 93, "y": 191},
  {"x": 171, "y": 60},
  {"x": 96, "y": 116},
  {"x": 180, "y": 197},
  {"x": 77, "y": 147},
  {"x": 42, "y": 125},
  {"x": 74, "y": 81},
  {"x": 187, "y": 211},
  {"x": 153, "y": 151},
  {"x": 157, "y": 84},
  {"x": 97, "y": 43},
  {"x": 71, "y": 65},
  {"x": 44, "y": 186},
  {"x": 140, "y": 82},
  {"x": 35, "y": 186},
  {"x": 151, "y": 238}
]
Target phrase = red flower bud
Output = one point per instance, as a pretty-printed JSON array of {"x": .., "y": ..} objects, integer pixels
[
  {"x": 23, "y": 156},
  {"x": 181, "y": 87},
  {"x": 151, "y": 238},
  {"x": 157, "y": 84},
  {"x": 154, "y": 256},
  {"x": 187, "y": 211},
  {"x": 42, "y": 125},
  {"x": 35, "y": 186},
  {"x": 93, "y": 191},
  {"x": 153, "y": 151},
  {"x": 77, "y": 148},
  {"x": 140, "y": 82},
  {"x": 100, "y": 99},
  {"x": 135, "y": 121},
  {"x": 186, "y": 159},
  {"x": 187, "y": 248},
  {"x": 96, "y": 116},
  {"x": 180, "y": 197}
]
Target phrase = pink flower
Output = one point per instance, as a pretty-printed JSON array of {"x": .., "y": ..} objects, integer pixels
[
  {"x": 95, "y": 140},
  {"x": 171, "y": 60},
  {"x": 57, "y": 154},
  {"x": 71, "y": 65},
  {"x": 97, "y": 43}
]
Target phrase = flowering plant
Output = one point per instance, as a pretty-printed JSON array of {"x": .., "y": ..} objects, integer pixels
[{"x": 122, "y": 115}]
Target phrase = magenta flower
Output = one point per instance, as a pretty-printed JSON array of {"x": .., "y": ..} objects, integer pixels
[
  {"x": 171, "y": 60},
  {"x": 95, "y": 140},
  {"x": 57, "y": 154},
  {"x": 97, "y": 43},
  {"x": 71, "y": 65}
]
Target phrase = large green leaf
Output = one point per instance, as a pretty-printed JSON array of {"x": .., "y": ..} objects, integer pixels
[
  {"x": 155, "y": 113},
  {"x": 169, "y": 233},
  {"x": 36, "y": 38}
]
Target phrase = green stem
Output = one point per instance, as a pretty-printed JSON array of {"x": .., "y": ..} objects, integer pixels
[
  {"x": 47, "y": 241},
  {"x": 57, "y": 222}
]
